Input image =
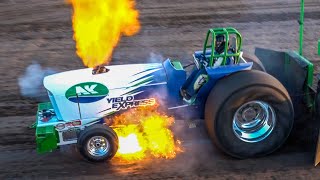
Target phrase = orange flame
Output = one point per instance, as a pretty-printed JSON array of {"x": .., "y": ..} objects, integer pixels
[
  {"x": 98, "y": 26},
  {"x": 144, "y": 132}
]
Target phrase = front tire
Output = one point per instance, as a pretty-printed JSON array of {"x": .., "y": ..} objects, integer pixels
[
  {"x": 249, "y": 114},
  {"x": 98, "y": 143}
]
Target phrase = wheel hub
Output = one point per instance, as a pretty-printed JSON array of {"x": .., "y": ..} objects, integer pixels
[
  {"x": 249, "y": 114},
  {"x": 253, "y": 121},
  {"x": 97, "y": 143},
  {"x": 98, "y": 146}
]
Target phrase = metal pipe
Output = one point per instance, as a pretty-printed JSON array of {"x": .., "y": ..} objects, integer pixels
[{"x": 301, "y": 22}]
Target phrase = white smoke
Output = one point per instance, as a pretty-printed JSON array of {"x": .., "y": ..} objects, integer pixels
[
  {"x": 155, "y": 58},
  {"x": 31, "y": 82},
  {"x": 160, "y": 95}
]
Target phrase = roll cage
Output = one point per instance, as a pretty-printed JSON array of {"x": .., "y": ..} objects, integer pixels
[{"x": 233, "y": 42}]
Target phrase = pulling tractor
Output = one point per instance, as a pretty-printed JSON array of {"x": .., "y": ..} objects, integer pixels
[{"x": 247, "y": 111}]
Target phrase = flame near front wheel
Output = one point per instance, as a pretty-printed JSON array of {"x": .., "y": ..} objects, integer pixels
[{"x": 148, "y": 136}]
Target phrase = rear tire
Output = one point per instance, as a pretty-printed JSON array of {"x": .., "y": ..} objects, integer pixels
[
  {"x": 228, "y": 114},
  {"x": 98, "y": 143},
  {"x": 257, "y": 64}
]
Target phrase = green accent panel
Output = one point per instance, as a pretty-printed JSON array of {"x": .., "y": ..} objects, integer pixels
[
  {"x": 87, "y": 89},
  {"x": 110, "y": 113},
  {"x": 177, "y": 65},
  {"x": 309, "y": 67},
  {"x": 131, "y": 92},
  {"x": 46, "y": 138},
  {"x": 309, "y": 80},
  {"x": 45, "y": 105},
  {"x": 147, "y": 80}
]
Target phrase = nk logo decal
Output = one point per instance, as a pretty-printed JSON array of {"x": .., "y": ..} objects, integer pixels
[{"x": 87, "y": 92}]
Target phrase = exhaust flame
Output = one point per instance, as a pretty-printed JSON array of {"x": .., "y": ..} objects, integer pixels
[
  {"x": 98, "y": 26},
  {"x": 147, "y": 135},
  {"x": 129, "y": 144}
]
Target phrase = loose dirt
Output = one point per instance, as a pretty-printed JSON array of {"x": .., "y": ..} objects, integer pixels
[{"x": 41, "y": 31}]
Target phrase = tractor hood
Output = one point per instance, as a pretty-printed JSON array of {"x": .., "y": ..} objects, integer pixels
[
  {"x": 79, "y": 94},
  {"x": 118, "y": 76}
]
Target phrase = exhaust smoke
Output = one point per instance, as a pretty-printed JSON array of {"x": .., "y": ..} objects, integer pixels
[{"x": 31, "y": 82}]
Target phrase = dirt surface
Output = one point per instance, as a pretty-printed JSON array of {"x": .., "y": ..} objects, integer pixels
[{"x": 41, "y": 32}]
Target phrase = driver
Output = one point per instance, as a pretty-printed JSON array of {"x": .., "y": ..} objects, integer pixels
[
  {"x": 220, "y": 43},
  {"x": 199, "y": 77},
  {"x": 219, "y": 49}
]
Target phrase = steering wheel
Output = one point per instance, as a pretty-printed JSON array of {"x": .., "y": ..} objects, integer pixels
[{"x": 203, "y": 60}]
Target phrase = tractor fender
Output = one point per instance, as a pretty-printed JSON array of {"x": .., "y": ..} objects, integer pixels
[{"x": 216, "y": 73}]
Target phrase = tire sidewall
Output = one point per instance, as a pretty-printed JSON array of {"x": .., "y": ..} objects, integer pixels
[
  {"x": 224, "y": 118},
  {"x": 85, "y": 137},
  {"x": 257, "y": 64}
]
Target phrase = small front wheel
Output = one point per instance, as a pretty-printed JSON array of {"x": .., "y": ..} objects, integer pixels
[{"x": 98, "y": 143}]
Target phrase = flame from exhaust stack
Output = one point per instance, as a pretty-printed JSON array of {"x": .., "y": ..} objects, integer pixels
[{"x": 98, "y": 26}]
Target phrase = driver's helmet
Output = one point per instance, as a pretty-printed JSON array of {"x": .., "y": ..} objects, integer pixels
[{"x": 219, "y": 43}]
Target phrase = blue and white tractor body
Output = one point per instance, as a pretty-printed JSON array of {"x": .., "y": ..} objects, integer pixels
[
  {"x": 85, "y": 98},
  {"x": 246, "y": 111}
]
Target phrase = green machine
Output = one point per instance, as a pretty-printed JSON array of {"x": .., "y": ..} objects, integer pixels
[{"x": 296, "y": 73}]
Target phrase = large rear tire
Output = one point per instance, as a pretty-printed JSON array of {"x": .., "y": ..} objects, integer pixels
[
  {"x": 249, "y": 114},
  {"x": 257, "y": 64},
  {"x": 98, "y": 143}
]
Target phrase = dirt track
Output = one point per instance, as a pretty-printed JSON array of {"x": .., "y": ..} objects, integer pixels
[{"x": 35, "y": 30}]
